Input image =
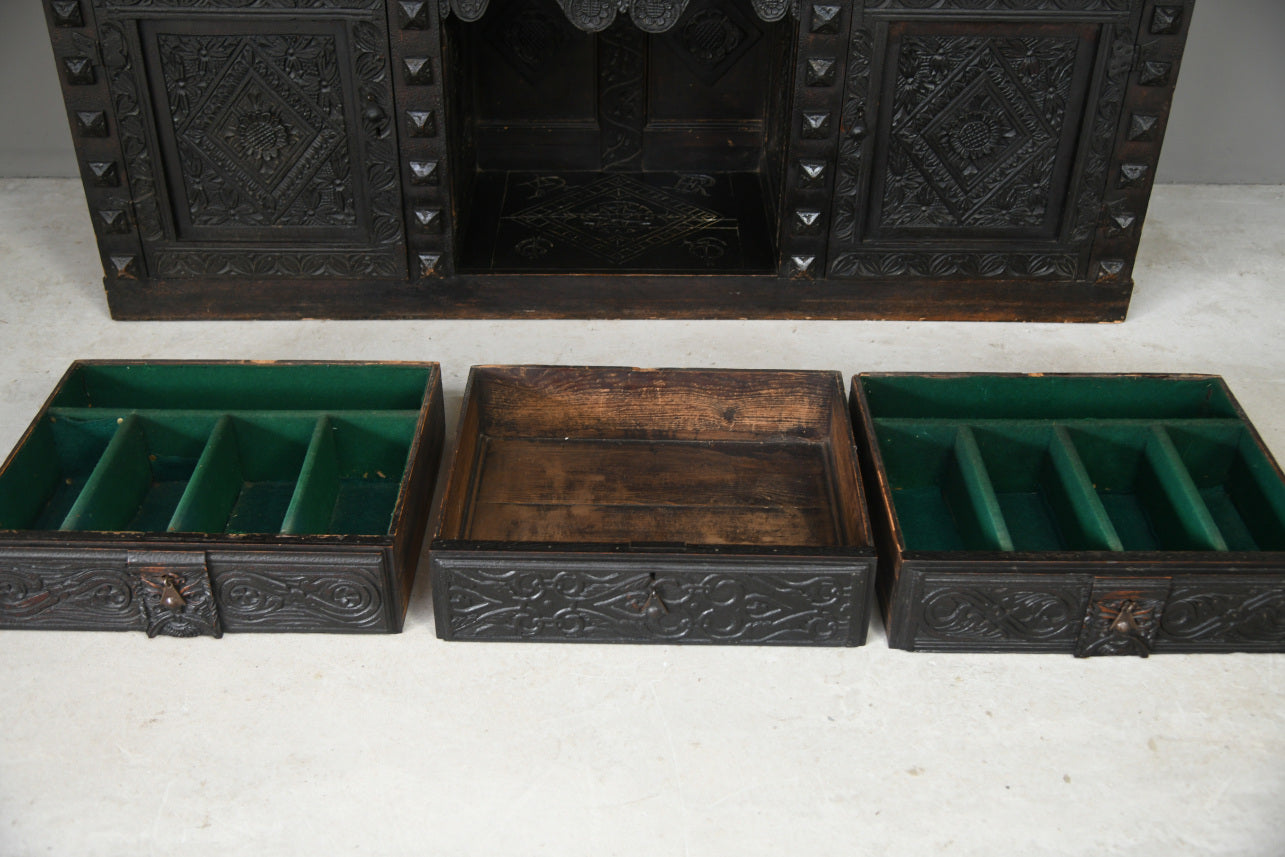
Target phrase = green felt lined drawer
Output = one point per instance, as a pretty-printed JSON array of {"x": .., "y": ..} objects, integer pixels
[
  {"x": 987, "y": 479},
  {"x": 289, "y": 457}
]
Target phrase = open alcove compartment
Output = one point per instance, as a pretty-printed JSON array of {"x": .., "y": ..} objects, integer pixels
[
  {"x": 211, "y": 457},
  {"x": 619, "y": 151},
  {"x": 1089, "y": 477},
  {"x": 627, "y": 505}
]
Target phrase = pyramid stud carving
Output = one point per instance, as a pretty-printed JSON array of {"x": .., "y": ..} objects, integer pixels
[
  {"x": 124, "y": 267},
  {"x": 418, "y": 70},
  {"x": 1133, "y": 175},
  {"x": 66, "y": 13},
  {"x": 424, "y": 173},
  {"x": 825, "y": 19},
  {"x": 79, "y": 71},
  {"x": 422, "y": 123},
  {"x": 801, "y": 266},
  {"x": 1122, "y": 223},
  {"x": 816, "y": 126},
  {"x": 806, "y": 221},
  {"x": 820, "y": 71},
  {"x": 1142, "y": 128},
  {"x": 114, "y": 221},
  {"x": 91, "y": 123},
  {"x": 1110, "y": 269},
  {"x": 811, "y": 173},
  {"x": 1155, "y": 73},
  {"x": 105, "y": 173},
  {"x": 1166, "y": 20},
  {"x": 414, "y": 14},
  {"x": 428, "y": 219}
]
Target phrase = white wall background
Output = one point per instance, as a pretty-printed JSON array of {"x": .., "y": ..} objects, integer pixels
[{"x": 1228, "y": 123}]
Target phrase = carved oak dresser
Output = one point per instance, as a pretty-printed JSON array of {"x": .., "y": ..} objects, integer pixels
[{"x": 731, "y": 158}]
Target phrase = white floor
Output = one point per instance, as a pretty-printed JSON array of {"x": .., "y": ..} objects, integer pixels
[{"x": 314, "y": 745}]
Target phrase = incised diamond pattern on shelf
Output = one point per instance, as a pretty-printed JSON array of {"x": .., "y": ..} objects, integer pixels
[{"x": 616, "y": 218}]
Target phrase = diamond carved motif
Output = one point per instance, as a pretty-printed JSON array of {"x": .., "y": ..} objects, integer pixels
[
  {"x": 616, "y": 218},
  {"x": 713, "y": 39},
  {"x": 530, "y": 37},
  {"x": 259, "y": 122},
  {"x": 976, "y": 125}
]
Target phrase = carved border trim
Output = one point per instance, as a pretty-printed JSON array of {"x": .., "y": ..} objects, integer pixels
[
  {"x": 100, "y": 144},
  {"x": 420, "y": 77},
  {"x": 1147, "y": 95},
  {"x": 816, "y": 126}
]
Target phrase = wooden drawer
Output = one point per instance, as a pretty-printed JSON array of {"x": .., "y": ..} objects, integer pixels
[
  {"x": 196, "y": 498},
  {"x": 1090, "y": 514},
  {"x": 625, "y": 505}
]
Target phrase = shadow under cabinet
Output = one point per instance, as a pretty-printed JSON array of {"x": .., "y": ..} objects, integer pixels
[{"x": 691, "y": 158}]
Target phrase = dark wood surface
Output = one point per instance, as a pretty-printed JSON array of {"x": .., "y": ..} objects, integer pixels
[
  {"x": 907, "y": 162},
  {"x": 725, "y": 498}
]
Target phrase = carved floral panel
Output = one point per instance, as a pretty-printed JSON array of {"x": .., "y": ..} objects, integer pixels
[
  {"x": 276, "y": 139},
  {"x": 976, "y": 126},
  {"x": 260, "y": 128}
]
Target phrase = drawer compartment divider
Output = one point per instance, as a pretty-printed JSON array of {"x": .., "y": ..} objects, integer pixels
[
  {"x": 117, "y": 484},
  {"x": 1174, "y": 480},
  {"x": 969, "y": 491},
  {"x": 215, "y": 484},
  {"x": 1083, "y": 505},
  {"x": 313, "y": 502}
]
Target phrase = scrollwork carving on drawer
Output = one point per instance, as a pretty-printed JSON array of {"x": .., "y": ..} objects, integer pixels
[{"x": 606, "y": 603}]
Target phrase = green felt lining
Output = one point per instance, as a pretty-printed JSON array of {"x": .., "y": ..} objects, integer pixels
[
  {"x": 246, "y": 386},
  {"x": 1092, "y": 484},
  {"x": 1046, "y": 397},
  {"x": 291, "y": 472}
]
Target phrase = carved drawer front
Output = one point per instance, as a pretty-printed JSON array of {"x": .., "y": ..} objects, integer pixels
[
  {"x": 160, "y": 592},
  {"x": 1017, "y": 612},
  {"x": 979, "y": 150},
  {"x": 180, "y": 593},
  {"x": 257, "y": 143},
  {"x": 1223, "y": 613},
  {"x": 620, "y": 600},
  {"x": 308, "y": 592}
]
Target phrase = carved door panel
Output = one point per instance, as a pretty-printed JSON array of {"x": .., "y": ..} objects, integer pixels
[
  {"x": 258, "y": 144},
  {"x": 979, "y": 151}
]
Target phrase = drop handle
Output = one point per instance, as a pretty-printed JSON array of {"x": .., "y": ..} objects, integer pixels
[
  {"x": 1126, "y": 623},
  {"x": 654, "y": 607},
  {"x": 171, "y": 597}
]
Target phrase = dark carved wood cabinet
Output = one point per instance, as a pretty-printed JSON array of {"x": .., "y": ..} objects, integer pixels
[{"x": 881, "y": 158}]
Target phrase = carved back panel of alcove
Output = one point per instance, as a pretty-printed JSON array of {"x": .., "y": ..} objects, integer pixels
[
  {"x": 543, "y": 94},
  {"x": 258, "y": 135}
]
